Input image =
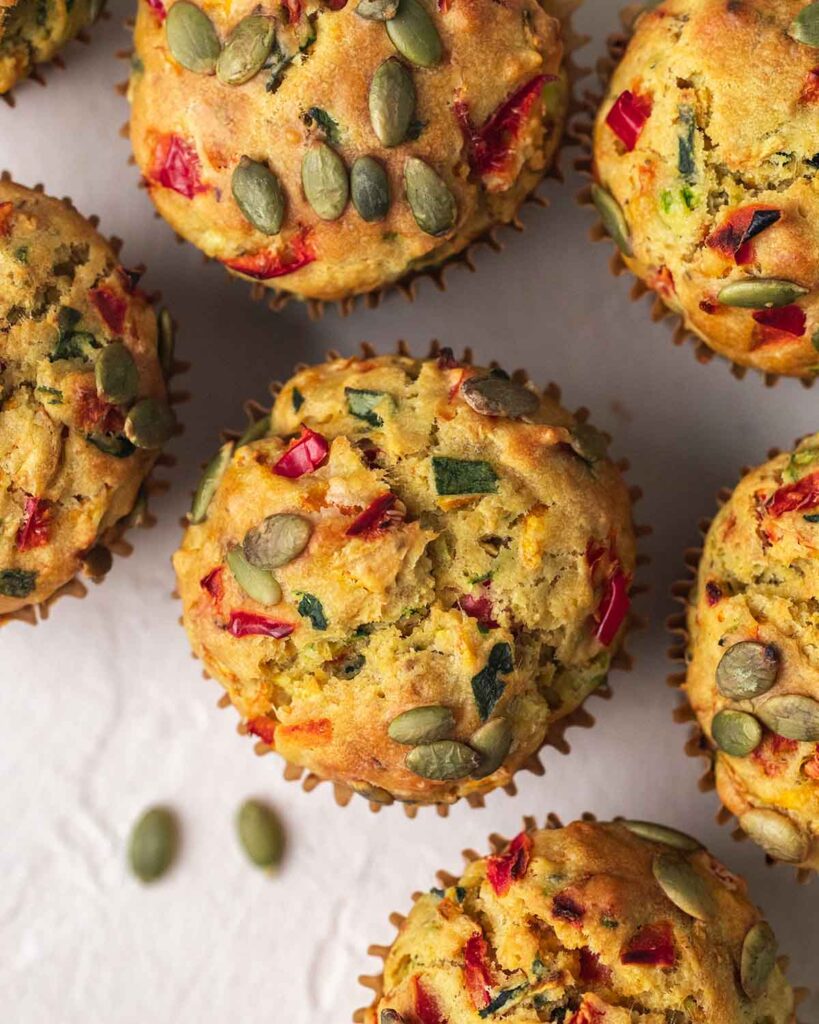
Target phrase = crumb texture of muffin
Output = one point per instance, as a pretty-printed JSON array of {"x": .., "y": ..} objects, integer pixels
[
  {"x": 82, "y": 394},
  {"x": 329, "y": 149},
  {"x": 399, "y": 592},
  {"x": 622, "y": 923},
  {"x": 706, "y": 164},
  {"x": 33, "y": 31},
  {"x": 753, "y": 673}
]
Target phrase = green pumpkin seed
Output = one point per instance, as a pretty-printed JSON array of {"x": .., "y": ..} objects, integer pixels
[
  {"x": 115, "y": 445},
  {"x": 277, "y": 540},
  {"x": 149, "y": 423},
  {"x": 495, "y": 396},
  {"x": 370, "y": 189},
  {"x": 375, "y": 794},
  {"x": 153, "y": 843},
  {"x": 761, "y": 293},
  {"x": 662, "y": 834},
  {"x": 492, "y": 741},
  {"x": 431, "y": 201},
  {"x": 256, "y": 431},
  {"x": 614, "y": 220},
  {"x": 259, "y": 195},
  {"x": 683, "y": 886},
  {"x": 805, "y": 26},
  {"x": 166, "y": 341},
  {"x": 211, "y": 478},
  {"x": 413, "y": 33},
  {"x": 377, "y": 10},
  {"x": 736, "y": 732},
  {"x": 256, "y": 583},
  {"x": 325, "y": 181},
  {"x": 421, "y": 725},
  {"x": 392, "y": 102},
  {"x": 191, "y": 38},
  {"x": 442, "y": 761},
  {"x": 260, "y": 834},
  {"x": 587, "y": 442},
  {"x": 758, "y": 959},
  {"x": 776, "y": 834},
  {"x": 747, "y": 669},
  {"x": 391, "y": 1017},
  {"x": 116, "y": 374},
  {"x": 793, "y": 716},
  {"x": 246, "y": 50}
]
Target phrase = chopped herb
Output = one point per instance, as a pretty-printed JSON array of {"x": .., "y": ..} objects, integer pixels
[
  {"x": 437, "y": 892},
  {"x": 310, "y": 608},
  {"x": 414, "y": 130},
  {"x": 799, "y": 461},
  {"x": 812, "y": 518},
  {"x": 365, "y": 629},
  {"x": 389, "y": 236},
  {"x": 325, "y": 122},
  {"x": 112, "y": 444},
  {"x": 538, "y": 967},
  {"x": 501, "y": 999},
  {"x": 55, "y": 395},
  {"x": 487, "y": 576},
  {"x": 72, "y": 344},
  {"x": 813, "y": 160},
  {"x": 463, "y": 476},
  {"x": 21, "y": 254},
  {"x": 362, "y": 403},
  {"x": 460, "y": 893},
  {"x": 17, "y": 582},
  {"x": 686, "y": 163},
  {"x": 487, "y": 688},
  {"x": 609, "y": 922},
  {"x": 136, "y": 65},
  {"x": 298, "y": 399},
  {"x": 689, "y": 198},
  {"x": 815, "y": 339}
]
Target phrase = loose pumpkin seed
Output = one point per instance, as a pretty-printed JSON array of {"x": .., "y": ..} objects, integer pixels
[
  {"x": 277, "y": 540},
  {"x": 683, "y": 886},
  {"x": 431, "y": 201},
  {"x": 392, "y": 102},
  {"x": 413, "y": 33},
  {"x": 736, "y": 732},
  {"x": 260, "y": 834},
  {"x": 761, "y": 293},
  {"x": 325, "y": 181},
  {"x": 776, "y": 834},
  {"x": 116, "y": 374},
  {"x": 255, "y": 431},
  {"x": 758, "y": 959},
  {"x": 613, "y": 218},
  {"x": 370, "y": 189},
  {"x": 256, "y": 583},
  {"x": 793, "y": 716},
  {"x": 377, "y": 10},
  {"x": 258, "y": 194},
  {"x": 166, "y": 341},
  {"x": 246, "y": 50},
  {"x": 211, "y": 478},
  {"x": 495, "y": 396},
  {"x": 421, "y": 725},
  {"x": 442, "y": 761},
  {"x": 805, "y": 26},
  {"x": 662, "y": 834},
  {"x": 375, "y": 794},
  {"x": 192, "y": 38},
  {"x": 153, "y": 843},
  {"x": 149, "y": 423},
  {"x": 492, "y": 741},
  {"x": 747, "y": 669},
  {"x": 587, "y": 442}
]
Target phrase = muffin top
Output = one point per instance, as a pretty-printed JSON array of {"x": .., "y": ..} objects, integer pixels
[
  {"x": 705, "y": 149},
  {"x": 617, "y": 923},
  {"x": 753, "y": 676},
  {"x": 331, "y": 148},
  {"x": 32, "y": 32},
  {"x": 417, "y": 569},
  {"x": 82, "y": 409}
]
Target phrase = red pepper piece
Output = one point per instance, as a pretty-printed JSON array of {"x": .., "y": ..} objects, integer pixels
[
  {"x": 94, "y": 414},
  {"x": 510, "y": 866},
  {"x": 176, "y": 166},
  {"x": 293, "y": 10},
  {"x": 265, "y": 264},
  {"x": 662, "y": 281},
  {"x": 33, "y": 531},
  {"x": 628, "y": 117},
  {"x": 592, "y": 971},
  {"x": 314, "y": 733},
  {"x": 652, "y": 946},
  {"x": 588, "y": 1014},
  {"x": 613, "y": 608},
  {"x": 713, "y": 593},
  {"x": 810, "y": 87},
  {"x": 110, "y": 306},
  {"x": 795, "y": 497},
  {"x": 373, "y": 517},
  {"x": 264, "y": 728},
  {"x": 249, "y": 624},
  {"x": 566, "y": 908},
  {"x": 709, "y": 306},
  {"x": 594, "y": 552},
  {"x": 476, "y": 969},
  {"x": 158, "y": 8},
  {"x": 304, "y": 455},
  {"x": 811, "y": 766},
  {"x": 479, "y": 608},
  {"x": 212, "y": 583},
  {"x": 788, "y": 320},
  {"x": 773, "y": 754},
  {"x": 443, "y": 6},
  {"x": 336, "y": 5},
  {"x": 6, "y": 210},
  {"x": 732, "y": 238},
  {"x": 426, "y": 1006}
]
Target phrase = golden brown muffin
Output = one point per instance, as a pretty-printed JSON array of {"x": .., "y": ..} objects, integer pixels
[
  {"x": 329, "y": 149},
  {"x": 621, "y": 923},
  {"x": 706, "y": 164},
  {"x": 416, "y": 569},
  {"x": 82, "y": 394},
  {"x": 753, "y": 673}
]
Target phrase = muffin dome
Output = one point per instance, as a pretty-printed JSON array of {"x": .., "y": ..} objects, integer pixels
[
  {"x": 31, "y": 33},
  {"x": 706, "y": 160},
  {"x": 414, "y": 570},
  {"x": 330, "y": 149},
  {"x": 628, "y": 923},
  {"x": 753, "y": 674},
  {"x": 82, "y": 395}
]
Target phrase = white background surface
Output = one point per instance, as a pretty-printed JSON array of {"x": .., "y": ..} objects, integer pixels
[{"x": 102, "y": 710}]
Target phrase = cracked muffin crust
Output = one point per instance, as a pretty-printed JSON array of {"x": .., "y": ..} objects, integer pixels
[
  {"x": 753, "y": 673},
  {"x": 338, "y": 147},
  {"x": 82, "y": 395},
  {"x": 620, "y": 923},
  {"x": 706, "y": 166},
  {"x": 414, "y": 571}
]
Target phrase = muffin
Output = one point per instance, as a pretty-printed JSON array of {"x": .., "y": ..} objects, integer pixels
[
  {"x": 329, "y": 149},
  {"x": 409, "y": 574},
  {"x": 31, "y": 33},
  {"x": 753, "y": 658},
  {"x": 705, "y": 162},
  {"x": 82, "y": 397},
  {"x": 619, "y": 923}
]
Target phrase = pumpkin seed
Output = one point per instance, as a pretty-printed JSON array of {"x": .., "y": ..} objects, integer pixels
[
  {"x": 492, "y": 741},
  {"x": 370, "y": 189},
  {"x": 255, "y": 431},
  {"x": 683, "y": 886},
  {"x": 747, "y": 669},
  {"x": 494, "y": 396},
  {"x": 662, "y": 834},
  {"x": 325, "y": 180},
  {"x": 115, "y": 445},
  {"x": 805, "y": 26},
  {"x": 776, "y": 834},
  {"x": 153, "y": 842},
  {"x": 736, "y": 732},
  {"x": 793, "y": 716},
  {"x": 377, "y": 10},
  {"x": 191, "y": 38},
  {"x": 614, "y": 220},
  {"x": 421, "y": 725},
  {"x": 413, "y": 33},
  {"x": 166, "y": 341},
  {"x": 256, "y": 583},
  {"x": 758, "y": 959},
  {"x": 116, "y": 374},
  {"x": 761, "y": 293},
  {"x": 392, "y": 102},
  {"x": 149, "y": 423},
  {"x": 442, "y": 761},
  {"x": 211, "y": 478},
  {"x": 277, "y": 540},
  {"x": 258, "y": 194},
  {"x": 432, "y": 203},
  {"x": 587, "y": 442},
  {"x": 246, "y": 50},
  {"x": 260, "y": 834},
  {"x": 375, "y": 794},
  {"x": 97, "y": 562}
]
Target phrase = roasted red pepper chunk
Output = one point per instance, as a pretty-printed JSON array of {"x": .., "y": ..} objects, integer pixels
[
  {"x": 110, "y": 306},
  {"x": 789, "y": 320},
  {"x": 811, "y": 766},
  {"x": 95, "y": 414},
  {"x": 774, "y": 753},
  {"x": 795, "y": 497},
  {"x": 503, "y": 869},
  {"x": 426, "y": 1005},
  {"x": 293, "y": 10},
  {"x": 34, "y": 528},
  {"x": 733, "y": 237},
  {"x": 158, "y": 7},
  {"x": 613, "y": 608},
  {"x": 566, "y": 908},
  {"x": 176, "y": 166},
  {"x": 592, "y": 971},
  {"x": 662, "y": 281},
  {"x": 373, "y": 517},
  {"x": 6, "y": 210},
  {"x": 713, "y": 593},
  {"x": 479, "y": 608},
  {"x": 477, "y": 972},
  {"x": 810, "y": 87},
  {"x": 304, "y": 455},
  {"x": 652, "y": 946},
  {"x": 268, "y": 264},
  {"x": 264, "y": 728},
  {"x": 628, "y": 116},
  {"x": 212, "y": 583},
  {"x": 249, "y": 624}
]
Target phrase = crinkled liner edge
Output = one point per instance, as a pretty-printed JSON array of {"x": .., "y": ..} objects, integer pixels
[{"x": 98, "y": 562}]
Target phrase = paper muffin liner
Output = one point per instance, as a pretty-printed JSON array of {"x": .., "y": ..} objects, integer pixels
[
  {"x": 98, "y": 560},
  {"x": 407, "y": 285},
  {"x": 556, "y": 736},
  {"x": 582, "y": 132},
  {"x": 374, "y": 983}
]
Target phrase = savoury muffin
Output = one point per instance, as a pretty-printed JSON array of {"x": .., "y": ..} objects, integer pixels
[
  {"x": 753, "y": 672},
  {"x": 705, "y": 158},
  {"x": 82, "y": 395},
  {"x": 591, "y": 924},
  {"x": 32, "y": 32},
  {"x": 330, "y": 149},
  {"x": 412, "y": 571}
]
